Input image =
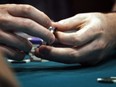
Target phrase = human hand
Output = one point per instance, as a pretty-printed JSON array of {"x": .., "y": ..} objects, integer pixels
[
  {"x": 21, "y": 18},
  {"x": 91, "y": 39}
]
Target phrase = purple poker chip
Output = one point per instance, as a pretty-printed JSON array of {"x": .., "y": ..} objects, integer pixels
[
  {"x": 39, "y": 41},
  {"x": 35, "y": 40}
]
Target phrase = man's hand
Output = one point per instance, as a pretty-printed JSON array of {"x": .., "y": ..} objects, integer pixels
[
  {"x": 21, "y": 18},
  {"x": 90, "y": 38}
]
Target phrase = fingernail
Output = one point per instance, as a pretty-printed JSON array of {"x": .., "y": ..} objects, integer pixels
[
  {"x": 44, "y": 50},
  {"x": 41, "y": 52}
]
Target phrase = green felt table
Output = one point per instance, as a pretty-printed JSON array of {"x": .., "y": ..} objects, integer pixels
[{"x": 52, "y": 74}]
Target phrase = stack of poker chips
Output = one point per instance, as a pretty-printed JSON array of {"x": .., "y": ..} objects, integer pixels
[{"x": 36, "y": 43}]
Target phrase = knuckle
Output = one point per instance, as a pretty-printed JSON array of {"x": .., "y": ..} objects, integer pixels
[
  {"x": 5, "y": 19},
  {"x": 72, "y": 54},
  {"x": 28, "y": 23},
  {"x": 27, "y": 45},
  {"x": 26, "y": 9},
  {"x": 100, "y": 45},
  {"x": 73, "y": 57},
  {"x": 76, "y": 40},
  {"x": 47, "y": 22},
  {"x": 99, "y": 30}
]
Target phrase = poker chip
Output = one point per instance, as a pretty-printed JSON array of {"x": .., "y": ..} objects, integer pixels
[{"x": 35, "y": 40}]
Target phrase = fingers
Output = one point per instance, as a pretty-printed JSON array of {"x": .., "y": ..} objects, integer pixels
[
  {"x": 89, "y": 54},
  {"x": 19, "y": 45},
  {"x": 17, "y": 42},
  {"x": 11, "y": 53},
  {"x": 27, "y": 26},
  {"x": 26, "y": 18},
  {"x": 80, "y": 37},
  {"x": 28, "y": 11},
  {"x": 56, "y": 54},
  {"x": 71, "y": 23}
]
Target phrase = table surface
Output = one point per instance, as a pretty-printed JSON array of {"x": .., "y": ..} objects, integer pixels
[{"x": 52, "y": 74}]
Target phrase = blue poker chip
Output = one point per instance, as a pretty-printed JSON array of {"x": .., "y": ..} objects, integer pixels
[{"x": 35, "y": 40}]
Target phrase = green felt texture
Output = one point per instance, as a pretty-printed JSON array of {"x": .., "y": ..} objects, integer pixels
[{"x": 52, "y": 74}]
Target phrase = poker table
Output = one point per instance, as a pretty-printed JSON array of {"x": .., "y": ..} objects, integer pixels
[{"x": 52, "y": 74}]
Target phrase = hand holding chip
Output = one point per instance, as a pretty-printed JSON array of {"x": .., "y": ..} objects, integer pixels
[
  {"x": 26, "y": 19},
  {"x": 91, "y": 39}
]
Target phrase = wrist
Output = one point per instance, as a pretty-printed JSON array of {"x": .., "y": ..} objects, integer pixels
[{"x": 111, "y": 24}]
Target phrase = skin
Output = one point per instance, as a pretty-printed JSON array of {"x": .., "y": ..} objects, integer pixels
[
  {"x": 91, "y": 39},
  {"x": 92, "y": 35},
  {"x": 21, "y": 18},
  {"x": 7, "y": 78}
]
